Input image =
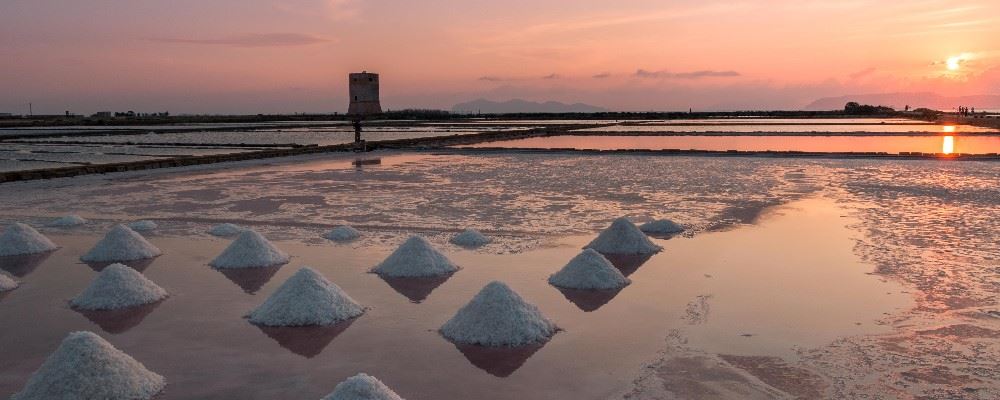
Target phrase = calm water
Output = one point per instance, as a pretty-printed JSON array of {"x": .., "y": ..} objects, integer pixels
[
  {"x": 801, "y": 127},
  {"x": 742, "y": 292},
  {"x": 889, "y": 144}
]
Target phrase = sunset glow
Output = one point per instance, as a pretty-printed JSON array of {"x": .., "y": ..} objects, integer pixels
[{"x": 948, "y": 145}]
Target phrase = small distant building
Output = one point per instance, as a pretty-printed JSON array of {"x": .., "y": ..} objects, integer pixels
[{"x": 363, "y": 88}]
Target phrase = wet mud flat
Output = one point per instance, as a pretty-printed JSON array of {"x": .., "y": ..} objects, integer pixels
[{"x": 843, "y": 278}]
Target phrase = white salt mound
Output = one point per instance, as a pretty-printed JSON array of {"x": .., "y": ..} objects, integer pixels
[
  {"x": 498, "y": 316},
  {"x": 142, "y": 226},
  {"x": 225, "y": 229},
  {"x": 415, "y": 258},
  {"x": 118, "y": 286},
  {"x": 85, "y": 366},
  {"x": 19, "y": 239},
  {"x": 68, "y": 221},
  {"x": 342, "y": 233},
  {"x": 661, "y": 226},
  {"x": 121, "y": 244},
  {"x": 7, "y": 283},
  {"x": 470, "y": 238},
  {"x": 623, "y": 237},
  {"x": 589, "y": 270},
  {"x": 306, "y": 298},
  {"x": 362, "y": 387},
  {"x": 250, "y": 250}
]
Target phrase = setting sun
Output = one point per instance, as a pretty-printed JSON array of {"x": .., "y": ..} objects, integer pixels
[{"x": 953, "y": 63}]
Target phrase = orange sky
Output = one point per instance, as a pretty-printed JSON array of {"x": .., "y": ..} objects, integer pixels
[{"x": 285, "y": 56}]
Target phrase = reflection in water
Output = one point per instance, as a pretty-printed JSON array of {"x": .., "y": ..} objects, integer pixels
[
  {"x": 138, "y": 265},
  {"x": 121, "y": 320},
  {"x": 250, "y": 279},
  {"x": 948, "y": 145},
  {"x": 948, "y": 129},
  {"x": 415, "y": 289},
  {"x": 306, "y": 341},
  {"x": 627, "y": 263},
  {"x": 589, "y": 300},
  {"x": 498, "y": 361},
  {"x": 22, "y": 265}
]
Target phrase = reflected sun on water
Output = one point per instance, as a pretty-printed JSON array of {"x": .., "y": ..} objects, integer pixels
[{"x": 948, "y": 145}]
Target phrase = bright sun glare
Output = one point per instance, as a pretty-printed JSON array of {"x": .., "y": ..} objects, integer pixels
[{"x": 953, "y": 63}]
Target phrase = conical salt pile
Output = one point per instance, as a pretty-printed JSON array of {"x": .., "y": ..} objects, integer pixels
[
  {"x": 623, "y": 237},
  {"x": 362, "y": 387},
  {"x": 342, "y": 233},
  {"x": 306, "y": 298},
  {"x": 142, "y": 226},
  {"x": 225, "y": 229},
  {"x": 498, "y": 316},
  {"x": 118, "y": 286},
  {"x": 68, "y": 221},
  {"x": 250, "y": 250},
  {"x": 19, "y": 239},
  {"x": 85, "y": 366},
  {"x": 589, "y": 270},
  {"x": 7, "y": 283},
  {"x": 415, "y": 258},
  {"x": 121, "y": 244},
  {"x": 470, "y": 238},
  {"x": 661, "y": 227}
]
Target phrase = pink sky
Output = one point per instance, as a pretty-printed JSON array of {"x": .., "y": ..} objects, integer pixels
[{"x": 266, "y": 56}]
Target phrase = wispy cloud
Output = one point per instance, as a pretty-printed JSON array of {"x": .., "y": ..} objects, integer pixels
[
  {"x": 863, "y": 73},
  {"x": 602, "y": 75},
  {"x": 251, "y": 40},
  {"x": 642, "y": 73},
  {"x": 551, "y": 76},
  {"x": 490, "y": 79}
]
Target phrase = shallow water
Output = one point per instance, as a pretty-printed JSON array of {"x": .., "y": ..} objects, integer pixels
[
  {"x": 803, "y": 127},
  {"x": 199, "y": 342},
  {"x": 890, "y": 144}
]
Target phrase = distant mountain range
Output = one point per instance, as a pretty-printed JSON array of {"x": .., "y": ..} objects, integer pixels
[
  {"x": 522, "y": 106},
  {"x": 914, "y": 100}
]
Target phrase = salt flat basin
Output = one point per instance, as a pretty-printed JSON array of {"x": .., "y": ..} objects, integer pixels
[
  {"x": 949, "y": 144},
  {"x": 803, "y": 126},
  {"x": 743, "y": 291}
]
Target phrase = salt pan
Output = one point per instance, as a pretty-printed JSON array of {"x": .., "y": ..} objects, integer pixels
[
  {"x": 306, "y": 298},
  {"x": 623, "y": 237},
  {"x": 85, "y": 366},
  {"x": 20, "y": 239},
  {"x": 589, "y": 270},
  {"x": 661, "y": 227},
  {"x": 121, "y": 244},
  {"x": 470, "y": 238},
  {"x": 342, "y": 233},
  {"x": 118, "y": 286},
  {"x": 68, "y": 221},
  {"x": 362, "y": 387},
  {"x": 415, "y": 258},
  {"x": 250, "y": 250},
  {"x": 498, "y": 316}
]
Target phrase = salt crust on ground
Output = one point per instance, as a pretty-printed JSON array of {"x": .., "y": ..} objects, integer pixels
[
  {"x": 661, "y": 226},
  {"x": 362, "y": 387},
  {"x": 250, "y": 250},
  {"x": 142, "y": 226},
  {"x": 68, "y": 221},
  {"x": 85, "y": 366},
  {"x": 225, "y": 229},
  {"x": 121, "y": 244},
  {"x": 118, "y": 286},
  {"x": 7, "y": 283},
  {"x": 19, "y": 239},
  {"x": 415, "y": 258},
  {"x": 623, "y": 237},
  {"x": 589, "y": 270},
  {"x": 470, "y": 238},
  {"x": 498, "y": 316},
  {"x": 306, "y": 298},
  {"x": 342, "y": 233}
]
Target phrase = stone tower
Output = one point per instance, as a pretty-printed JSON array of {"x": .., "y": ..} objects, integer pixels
[{"x": 363, "y": 87}]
